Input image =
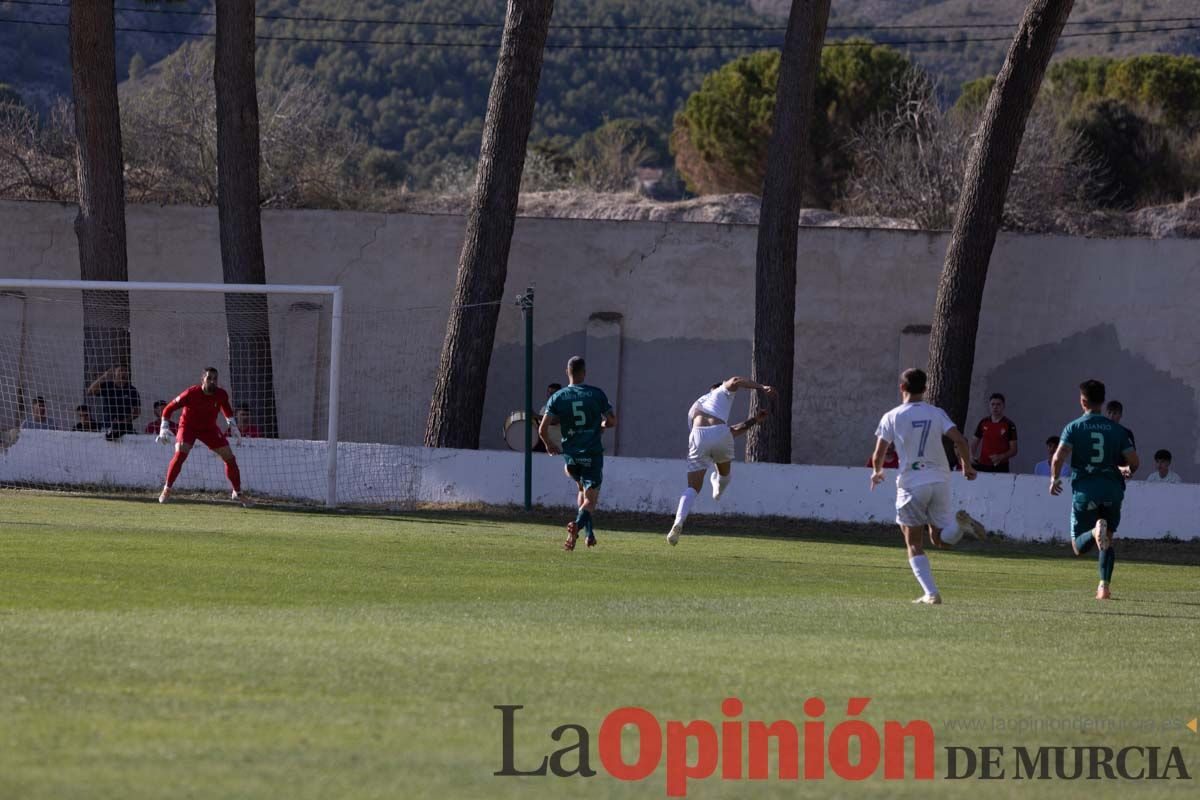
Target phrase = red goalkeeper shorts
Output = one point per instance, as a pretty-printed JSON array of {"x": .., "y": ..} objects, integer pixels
[{"x": 212, "y": 437}]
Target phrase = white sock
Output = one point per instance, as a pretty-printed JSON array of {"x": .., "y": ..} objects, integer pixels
[
  {"x": 685, "y": 504},
  {"x": 723, "y": 480},
  {"x": 920, "y": 568}
]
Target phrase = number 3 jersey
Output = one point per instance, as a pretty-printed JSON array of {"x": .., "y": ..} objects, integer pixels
[
  {"x": 580, "y": 409},
  {"x": 1097, "y": 444},
  {"x": 917, "y": 430}
]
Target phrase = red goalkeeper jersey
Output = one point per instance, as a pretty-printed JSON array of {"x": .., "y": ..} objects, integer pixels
[{"x": 199, "y": 409}]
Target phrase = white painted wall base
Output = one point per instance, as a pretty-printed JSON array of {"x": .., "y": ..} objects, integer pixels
[{"x": 1017, "y": 505}]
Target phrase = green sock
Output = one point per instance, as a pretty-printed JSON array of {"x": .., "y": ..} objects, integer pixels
[
  {"x": 1084, "y": 541},
  {"x": 584, "y": 519},
  {"x": 1108, "y": 559}
]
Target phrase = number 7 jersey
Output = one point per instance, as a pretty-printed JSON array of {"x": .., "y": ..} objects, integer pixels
[
  {"x": 917, "y": 430},
  {"x": 1097, "y": 444}
]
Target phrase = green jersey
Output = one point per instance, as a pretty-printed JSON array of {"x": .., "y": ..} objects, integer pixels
[
  {"x": 579, "y": 409},
  {"x": 1097, "y": 444}
]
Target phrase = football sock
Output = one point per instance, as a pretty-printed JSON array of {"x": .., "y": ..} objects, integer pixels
[
  {"x": 1084, "y": 542},
  {"x": 234, "y": 474},
  {"x": 920, "y": 568},
  {"x": 176, "y": 465},
  {"x": 685, "y": 504},
  {"x": 583, "y": 519},
  {"x": 1107, "y": 559}
]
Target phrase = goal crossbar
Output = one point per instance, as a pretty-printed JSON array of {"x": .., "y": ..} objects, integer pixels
[{"x": 335, "y": 334}]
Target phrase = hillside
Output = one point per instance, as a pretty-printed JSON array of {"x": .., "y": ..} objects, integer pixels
[
  {"x": 422, "y": 94},
  {"x": 957, "y": 64}
]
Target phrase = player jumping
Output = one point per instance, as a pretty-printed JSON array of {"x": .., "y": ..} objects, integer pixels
[
  {"x": 583, "y": 413},
  {"x": 710, "y": 442},
  {"x": 1095, "y": 445},
  {"x": 923, "y": 486},
  {"x": 200, "y": 405}
]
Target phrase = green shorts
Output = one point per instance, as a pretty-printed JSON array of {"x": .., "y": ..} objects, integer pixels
[
  {"x": 1086, "y": 512},
  {"x": 587, "y": 471}
]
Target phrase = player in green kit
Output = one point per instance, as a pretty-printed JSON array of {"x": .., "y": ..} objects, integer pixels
[
  {"x": 583, "y": 413},
  {"x": 1095, "y": 446}
]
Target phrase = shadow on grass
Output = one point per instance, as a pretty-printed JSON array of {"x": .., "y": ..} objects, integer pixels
[
  {"x": 869, "y": 534},
  {"x": 1153, "y": 551}
]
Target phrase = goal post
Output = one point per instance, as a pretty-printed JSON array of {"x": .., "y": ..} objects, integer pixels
[{"x": 38, "y": 349}]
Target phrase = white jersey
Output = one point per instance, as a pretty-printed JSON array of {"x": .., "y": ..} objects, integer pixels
[
  {"x": 917, "y": 430},
  {"x": 717, "y": 403}
]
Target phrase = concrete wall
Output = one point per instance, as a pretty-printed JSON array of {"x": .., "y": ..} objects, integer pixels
[
  {"x": 390, "y": 475},
  {"x": 1056, "y": 310}
]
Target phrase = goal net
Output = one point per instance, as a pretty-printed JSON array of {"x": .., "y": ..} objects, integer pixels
[{"x": 329, "y": 403}]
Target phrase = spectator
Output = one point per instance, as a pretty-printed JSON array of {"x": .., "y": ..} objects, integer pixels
[
  {"x": 120, "y": 403},
  {"x": 152, "y": 425},
  {"x": 38, "y": 420},
  {"x": 995, "y": 441},
  {"x": 539, "y": 446},
  {"x": 248, "y": 429},
  {"x": 1043, "y": 467},
  {"x": 1162, "y": 460},
  {"x": 890, "y": 460},
  {"x": 1114, "y": 411},
  {"x": 84, "y": 422}
]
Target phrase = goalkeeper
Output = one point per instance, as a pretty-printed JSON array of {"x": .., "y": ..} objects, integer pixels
[{"x": 200, "y": 405}]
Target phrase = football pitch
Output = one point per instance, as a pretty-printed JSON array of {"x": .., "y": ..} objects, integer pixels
[{"x": 208, "y": 651}]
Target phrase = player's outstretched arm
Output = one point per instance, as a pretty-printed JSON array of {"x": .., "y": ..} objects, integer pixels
[
  {"x": 1061, "y": 455},
  {"x": 733, "y": 384},
  {"x": 877, "y": 459},
  {"x": 164, "y": 429},
  {"x": 164, "y": 432},
  {"x": 741, "y": 428},
  {"x": 548, "y": 419}
]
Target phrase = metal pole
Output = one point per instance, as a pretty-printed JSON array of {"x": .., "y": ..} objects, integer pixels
[
  {"x": 526, "y": 301},
  {"x": 335, "y": 375}
]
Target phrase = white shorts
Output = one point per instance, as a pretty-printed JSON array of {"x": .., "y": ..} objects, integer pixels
[
  {"x": 928, "y": 504},
  {"x": 709, "y": 445}
]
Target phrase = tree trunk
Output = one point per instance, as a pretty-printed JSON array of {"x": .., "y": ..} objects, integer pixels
[
  {"x": 456, "y": 410},
  {"x": 981, "y": 205},
  {"x": 775, "y": 263},
  {"x": 251, "y": 380},
  {"x": 100, "y": 223}
]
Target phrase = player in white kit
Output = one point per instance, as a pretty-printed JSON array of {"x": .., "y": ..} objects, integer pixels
[
  {"x": 710, "y": 442},
  {"x": 923, "y": 486}
]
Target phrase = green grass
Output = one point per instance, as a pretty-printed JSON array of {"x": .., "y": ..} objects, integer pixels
[{"x": 202, "y": 651}]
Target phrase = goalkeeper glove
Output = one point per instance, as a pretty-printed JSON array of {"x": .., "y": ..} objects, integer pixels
[
  {"x": 164, "y": 433},
  {"x": 233, "y": 428}
]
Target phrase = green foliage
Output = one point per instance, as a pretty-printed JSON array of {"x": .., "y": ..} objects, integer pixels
[
  {"x": 646, "y": 132},
  {"x": 856, "y": 83},
  {"x": 383, "y": 167},
  {"x": 1137, "y": 163},
  {"x": 974, "y": 96},
  {"x": 729, "y": 120},
  {"x": 10, "y": 96},
  {"x": 1165, "y": 83},
  {"x": 722, "y": 135},
  {"x": 428, "y": 103}
]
